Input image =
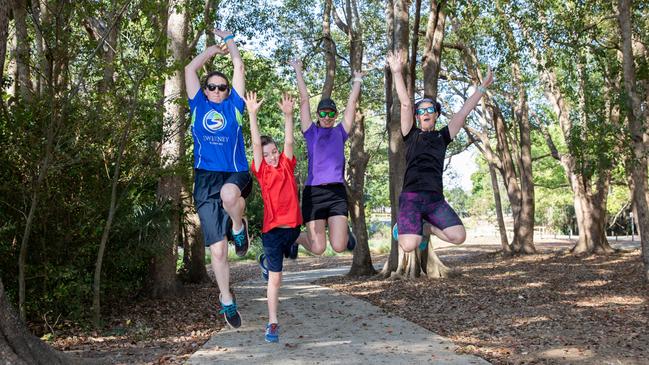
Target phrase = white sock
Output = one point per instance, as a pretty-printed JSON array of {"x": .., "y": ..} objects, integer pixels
[{"x": 240, "y": 229}]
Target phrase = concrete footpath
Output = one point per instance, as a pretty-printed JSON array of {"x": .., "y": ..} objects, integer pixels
[{"x": 321, "y": 326}]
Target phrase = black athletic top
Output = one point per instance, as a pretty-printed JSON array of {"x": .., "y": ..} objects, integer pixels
[{"x": 425, "y": 152}]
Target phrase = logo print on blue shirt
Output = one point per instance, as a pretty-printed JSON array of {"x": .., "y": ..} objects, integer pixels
[{"x": 213, "y": 121}]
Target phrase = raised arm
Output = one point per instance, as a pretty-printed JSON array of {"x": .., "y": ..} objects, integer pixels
[
  {"x": 396, "y": 66},
  {"x": 457, "y": 120},
  {"x": 350, "y": 110},
  {"x": 238, "y": 76},
  {"x": 253, "y": 107},
  {"x": 286, "y": 105},
  {"x": 192, "y": 82},
  {"x": 305, "y": 108}
]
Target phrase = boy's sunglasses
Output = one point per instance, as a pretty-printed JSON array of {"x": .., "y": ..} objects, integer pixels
[
  {"x": 323, "y": 114},
  {"x": 429, "y": 110},
  {"x": 221, "y": 87}
]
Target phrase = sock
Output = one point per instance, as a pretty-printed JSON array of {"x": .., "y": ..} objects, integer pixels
[
  {"x": 240, "y": 229},
  {"x": 224, "y": 302}
]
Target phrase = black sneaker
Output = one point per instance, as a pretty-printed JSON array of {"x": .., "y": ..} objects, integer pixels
[
  {"x": 292, "y": 251},
  {"x": 351, "y": 240},
  {"x": 241, "y": 239},
  {"x": 230, "y": 313}
]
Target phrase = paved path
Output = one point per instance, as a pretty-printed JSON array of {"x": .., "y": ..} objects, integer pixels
[{"x": 321, "y": 326}]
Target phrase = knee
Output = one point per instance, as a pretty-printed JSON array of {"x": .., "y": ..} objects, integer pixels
[
  {"x": 229, "y": 195},
  {"x": 407, "y": 245},
  {"x": 318, "y": 246},
  {"x": 218, "y": 254},
  {"x": 457, "y": 238}
]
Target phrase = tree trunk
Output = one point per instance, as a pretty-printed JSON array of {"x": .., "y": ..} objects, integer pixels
[
  {"x": 194, "y": 255},
  {"x": 4, "y": 33},
  {"x": 432, "y": 60},
  {"x": 173, "y": 149},
  {"x": 397, "y": 20},
  {"x": 329, "y": 52},
  {"x": 471, "y": 62},
  {"x": 637, "y": 126},
  {"x": 18, "y": 346},
  {"x": 22, "y": 49}
]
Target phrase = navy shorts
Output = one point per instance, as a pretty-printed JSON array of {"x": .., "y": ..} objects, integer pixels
[
  {"x": 418, "y": 206},
  {"x": 323, "y": 201},
  {"x": 207, "y": 198},
  {"x": 276, "y": 242}
]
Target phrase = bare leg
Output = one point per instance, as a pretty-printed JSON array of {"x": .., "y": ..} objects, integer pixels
[
  {"x": 338, "y": 235},
  {"x": 409, "y": 242},
  {"x": 221, "y": 268},
  {"x": 272, "y": 293},
  {"x": 453, "y": 234},
  {"x": 233, "y": 204},
  {"x": 316, "y": 236}
]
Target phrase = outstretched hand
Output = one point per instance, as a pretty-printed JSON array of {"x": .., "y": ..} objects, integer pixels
[
  {"x": 222, "y": 33},
  {"x": 286, "y": 104},
  {"x": 395, "y": 60},
  {"x": 251, "y": 102},
  {"x": 489, "y": 79},
  {"x": 296, "y": 63},
  {"x": 217, "y": 49}
]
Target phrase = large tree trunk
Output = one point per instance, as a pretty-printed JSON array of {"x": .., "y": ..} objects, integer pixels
[
  {"x": 523, "y": 226},
  {"x": 18, "y": 346},
  {"x": 362, "y": 261},
  {"x": 432, "y": 60},
  {"x": 397, "y": 20},
  {"x": 637, "y": 125},
  {"x": 164, "y": 279}
]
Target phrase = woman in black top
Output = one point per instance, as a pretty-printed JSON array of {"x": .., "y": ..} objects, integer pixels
[{"x": 422, "y": 196}]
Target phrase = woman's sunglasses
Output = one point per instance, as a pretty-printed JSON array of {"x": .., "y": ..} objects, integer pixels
[
  {"x": 429, "y": 110},
  {"x": 221, "y": 87},
  {"x": 323, "y": 114}
]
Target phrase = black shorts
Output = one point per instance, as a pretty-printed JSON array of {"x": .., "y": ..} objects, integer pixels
[
  {"x": 207, "y": 198},
  {"x": 323, "y": 201},
  {"x": 277, "y": 242}
]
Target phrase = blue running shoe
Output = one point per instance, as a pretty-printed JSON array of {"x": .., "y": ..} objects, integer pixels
[
  {"x": 262, "y": 264},
  {"x": 241, "y": 239},
  {"x": 272, "y": 332},
  {"x": 395, "y": 232},
  {"x": 230, "y": 313}
]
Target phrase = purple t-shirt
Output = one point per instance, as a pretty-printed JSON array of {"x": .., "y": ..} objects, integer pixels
[{"x": 326, "y": 149}]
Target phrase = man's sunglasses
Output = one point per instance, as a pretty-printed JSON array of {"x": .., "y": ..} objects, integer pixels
[
  {"x": 221, "y": 87},
  {"x": 429, "y": 110},
  {"x": 323, "y": 114}
]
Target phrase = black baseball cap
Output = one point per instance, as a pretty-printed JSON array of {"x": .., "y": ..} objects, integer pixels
[{"x": 327, "y": 104}]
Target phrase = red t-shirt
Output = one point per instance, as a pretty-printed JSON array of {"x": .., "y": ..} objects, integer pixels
[{"x": 279, "y": 192}]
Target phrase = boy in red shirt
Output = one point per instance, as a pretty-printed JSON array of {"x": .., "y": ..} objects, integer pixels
[{"x": 282, "y": 215}]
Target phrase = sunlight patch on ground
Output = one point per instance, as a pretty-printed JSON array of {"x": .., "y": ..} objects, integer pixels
[
  {"x": 538, "y": 284},
  {"x": 508, "y": 275},
  {"x": 593, "y": 283},
  {"x": 529, "y": 320},
  {"x": 610, "y": 300},
  {"x": 567, "y": 353}
]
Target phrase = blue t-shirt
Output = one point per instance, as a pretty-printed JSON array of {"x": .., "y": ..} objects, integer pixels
[{"x": 218, "y": 138}]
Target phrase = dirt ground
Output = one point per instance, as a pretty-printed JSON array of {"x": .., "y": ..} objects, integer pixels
[{"x": 549, "y": 308}]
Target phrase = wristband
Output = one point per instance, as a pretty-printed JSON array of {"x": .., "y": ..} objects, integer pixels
[
  {"x": 482, "y": 89},
  {"x": 359, "y": 79},
  {"x": 228, "y": 37}
]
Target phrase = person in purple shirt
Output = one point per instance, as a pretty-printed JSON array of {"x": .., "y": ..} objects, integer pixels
[{"x": 324, "y": 199}]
